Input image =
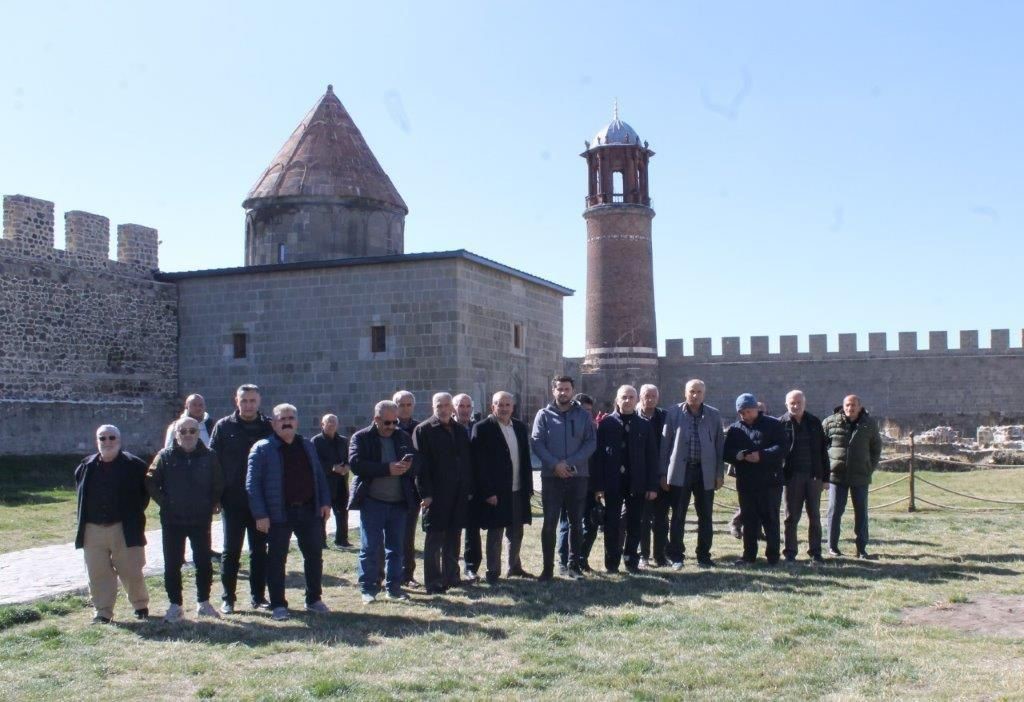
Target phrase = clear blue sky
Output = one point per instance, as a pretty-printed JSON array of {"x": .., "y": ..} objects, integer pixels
[{"x": 820, "y": 167}]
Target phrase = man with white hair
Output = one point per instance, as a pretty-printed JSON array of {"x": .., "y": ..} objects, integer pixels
[
  {"x": 186, "y": 481},
  {"x": 656, "y": 520},
  {"x": 406, "y": 403},
  {"x": 472, "y": 552},
  {"x": 381, "y": 457},
  {"x": 805, "y": 472},
  {"x": 195, "y": 407},
  {"x": 288, "y": 494},
  {"x": 332, "y": 450},
  {"x": 112, "y": 500},
  {"x": 444, "y": 478}
]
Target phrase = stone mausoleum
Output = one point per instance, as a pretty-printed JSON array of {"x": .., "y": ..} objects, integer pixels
[{"x": 316, "y": 318}]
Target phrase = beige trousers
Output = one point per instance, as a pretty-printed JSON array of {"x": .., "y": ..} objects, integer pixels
[{"x": 107, "y": 558}]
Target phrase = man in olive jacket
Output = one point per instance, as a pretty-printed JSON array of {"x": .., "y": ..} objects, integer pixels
[
  {"x": 504, "y": 483},
  {"x": 805, "y": 471},
  {"x": 186, "y": 481},
  {"x": 854, "y": 448},
  {"x": 444, "y": 479}
]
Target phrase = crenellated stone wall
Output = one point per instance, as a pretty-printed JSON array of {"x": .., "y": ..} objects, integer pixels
[{"x": 84, "y": 340}]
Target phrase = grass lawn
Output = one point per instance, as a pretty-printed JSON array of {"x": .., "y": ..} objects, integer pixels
[{"x": 725, "y": 633}]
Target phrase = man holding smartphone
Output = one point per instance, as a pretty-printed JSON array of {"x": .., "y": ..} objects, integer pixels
[
  {"x": 381, "y": 457},
  {"x": 564, "y": 439}
]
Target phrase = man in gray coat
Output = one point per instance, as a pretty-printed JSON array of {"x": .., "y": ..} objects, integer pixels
[
  {"x": 563, "y": 439},
  {"x": 692, "y": 464}
]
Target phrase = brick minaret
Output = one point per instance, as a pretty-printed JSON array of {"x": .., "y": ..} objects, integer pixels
[{"x": 621, "y": 336}]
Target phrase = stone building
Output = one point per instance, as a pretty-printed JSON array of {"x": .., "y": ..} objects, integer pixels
[
  {"x": 329, "y": 313},
  {"x": 910, "y": 388}
]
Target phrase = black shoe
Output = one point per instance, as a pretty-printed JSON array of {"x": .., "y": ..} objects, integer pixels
[
  {"x": 736, "y": 532},
  {"x": 817, "y": 559},
  {"x": 142, "y": 613},
  {"x": 492, "y": 578},
  {"x": 835, "y": 552},
  {"x": 563, "y": 570},
  {"x": 743, "y": 563},
  {"x": 790, "y": 560},
  {"x": 546, "y": 575},
  {"x": 435, "y": 590},
  {"x": 863, "y": 555},
  {"x": 585, "y": 567},
  {"x": 520, "y": 573},
  {"x": 100, "y": 620},
  {"x": 343, "y": 544},
  {"x": 705, "y": 563},
  {"x": 611, "y": 571},
  {"x": 574, "y": 574},
  {"x": 632, "y": 569},
  {"x": 260, "y": 604},
  {"x": 661, "y": 564}
]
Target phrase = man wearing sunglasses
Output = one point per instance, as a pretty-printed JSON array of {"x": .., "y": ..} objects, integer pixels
[
  {"x": 381, "y": 458},
  {"x": 112, "y": 502},
  {"x": 186, "y": 481}
]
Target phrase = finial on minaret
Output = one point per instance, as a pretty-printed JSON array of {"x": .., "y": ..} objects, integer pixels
[
  {"x": 615, "y": 110},
  {"x": 330, "y": 88}
]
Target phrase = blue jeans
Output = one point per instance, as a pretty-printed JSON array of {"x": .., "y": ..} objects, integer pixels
[
  {"x": 306, "y": 524},
  {"x": 382, "y": 525},
  {"x": 557, "y": 494},
  {"x": 837, "y": 496}
]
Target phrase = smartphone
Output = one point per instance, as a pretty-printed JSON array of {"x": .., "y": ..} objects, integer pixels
[{"x": 407, "y": 458}]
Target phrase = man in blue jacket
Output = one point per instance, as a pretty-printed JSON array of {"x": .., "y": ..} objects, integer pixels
[
  {"x": 625, "y": 476},
  {"x": 288, "y": 494},
  {"x": 563, "y": 439},
  {"x": 757, "y": 446}
]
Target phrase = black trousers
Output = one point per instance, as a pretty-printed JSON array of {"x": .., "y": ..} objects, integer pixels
[
  {"x": 619, "y": 509},
  {"x": 339, "y": 505},
  {"x": 513, "y": 537},
  {"x": 761, "y": 511},
  {"x": 472, "y": 552},
  {"x": 441, "y": 558},
  {"x": 237, "y": 522},
  {"x": 174, "y": 536},
  {"x": 703, "y": 503},
  {"x": 556, "y": 494},
  {"x": 305, "y": 524},
  {"x": 588, "y": 529}
]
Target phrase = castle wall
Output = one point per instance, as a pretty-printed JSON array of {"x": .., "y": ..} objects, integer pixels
[
  {"x": 83, "y": 340},
  {"x": 911, "y": 387},
  {"x": 309, "y": 339}
]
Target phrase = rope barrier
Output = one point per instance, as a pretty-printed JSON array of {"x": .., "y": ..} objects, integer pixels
[
  {"x": 964, "y": 509},
  {"x": 961, "y": 494},
  {"x": 894, "y": 459},
  {"x": 890, "y": 504},
  {"x": 898, "y": 480}
]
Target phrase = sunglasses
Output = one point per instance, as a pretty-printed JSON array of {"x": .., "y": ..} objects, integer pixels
[
  {"x": 389, "y": 422},
  {"x": 188, "y": 431},
  {"x": 107, "y": 438}
]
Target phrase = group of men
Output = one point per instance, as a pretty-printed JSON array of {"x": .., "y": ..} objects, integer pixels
[{"x": 631, "y": 474}]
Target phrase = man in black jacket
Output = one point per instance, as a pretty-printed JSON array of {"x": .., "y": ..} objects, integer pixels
[
  {"x": 656, "y": 520},
  {"x": 332, "y": 450},
  {"x": 805, "y": 472},
  {"x": 444, "y": 479},
  {"x": 112, "y": 500},
  {"x": 232, "y": 438},
  {"x": 504, "y": 483},
  {"x": 625, "y": 476},
  {"x": 186, "y": 481},
  {"x": 381, "y": 458},
  {"x": 756, "y": 446},
  {"x": 406, "y": 403}
]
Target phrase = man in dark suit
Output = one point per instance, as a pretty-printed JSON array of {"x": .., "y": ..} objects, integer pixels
[
  {"x": 805, "y": 472},
  {"x": 406, "y": 403},
  {"x": 504, "y": 483},
  {"x": 381, "y": 458},
  {"x": 625, "y": 474},
  {"x": 656, "y": 520},
  {"x": 444, "y": 478},
  {"x": 332, "y": 450}
]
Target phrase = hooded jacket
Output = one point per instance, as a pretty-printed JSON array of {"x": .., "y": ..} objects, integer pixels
[
  {"x": 563, "y": 436},
  {"x": 187, "y": 486},
  {"x": 854, "y": 448}
]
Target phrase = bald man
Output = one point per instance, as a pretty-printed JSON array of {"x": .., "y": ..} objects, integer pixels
[{"x": 195, "y": 407}]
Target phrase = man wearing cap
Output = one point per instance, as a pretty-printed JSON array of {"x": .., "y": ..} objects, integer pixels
[
  {"x": 756, "y": 445},
  {"x": 691, "y": 465},
  {"x": 112, "y": 500}
]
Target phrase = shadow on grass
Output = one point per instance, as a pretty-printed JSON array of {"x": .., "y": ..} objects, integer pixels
[
  {"x": 28, "y": 479},
  {"x": 344, "y": 628}
]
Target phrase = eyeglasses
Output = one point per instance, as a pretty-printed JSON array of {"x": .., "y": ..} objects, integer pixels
[
  {"x": 389, "y": 422},
  {"x": 107, "y": 438},
  {"x": 188, "y": 431}
]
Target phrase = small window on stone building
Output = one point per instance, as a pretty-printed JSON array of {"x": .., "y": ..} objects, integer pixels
[
  {"x": 378, "y": 340},
  {"x": 240, "y": 343},
  {"x": 517, "y": 336},
  {"x": 280, "y": 253}
]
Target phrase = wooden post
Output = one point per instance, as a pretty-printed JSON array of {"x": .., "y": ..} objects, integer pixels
[{"x": 911, "y": 507}]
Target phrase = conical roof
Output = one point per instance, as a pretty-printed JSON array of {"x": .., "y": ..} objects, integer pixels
[{"x": 326, "y": 157}]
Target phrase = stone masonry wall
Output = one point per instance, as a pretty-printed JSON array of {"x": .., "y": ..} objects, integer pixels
[
  {"x": 83, "y": 340},
  {"x": 309, "y": 340}
]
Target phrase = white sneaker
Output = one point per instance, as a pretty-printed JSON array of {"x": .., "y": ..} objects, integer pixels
[
  {"x": 174, "y": 614},
  {"x": 368, "y": 598},
  {"x": 280, "y": 614},
  {"x": 205, "y": 609},
  {"x": 227, "y": 608}
]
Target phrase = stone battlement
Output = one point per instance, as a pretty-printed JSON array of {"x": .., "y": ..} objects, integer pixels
[
  {"x": 938, "y": 344},
  {"x": 28, "y": 233}
]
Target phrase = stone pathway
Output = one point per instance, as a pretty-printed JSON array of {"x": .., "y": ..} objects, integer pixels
[{"x": 54, "y": 570}]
